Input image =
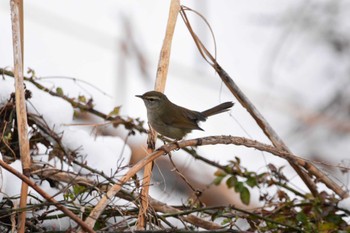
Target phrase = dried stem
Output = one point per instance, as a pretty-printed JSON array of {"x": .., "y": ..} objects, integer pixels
[
  {"x": 313, "y": 170},
  {"x": 162, "y": 71},
  {"x": 21, "y": 112},
  {"x": 264, "y": 125},
  {"x": 164, "y": 57},
  {"x": 97, "y": 211},
  {"x": 117, "y": 120},
  {"x": 158, "y": 206},
  {"x": 50, "y": 199},
  {"x": 212, "y": 140},
  {"x": 147, "y": 175}
]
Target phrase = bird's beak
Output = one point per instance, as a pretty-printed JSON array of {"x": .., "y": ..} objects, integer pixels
[{"x": 140, "y": 96}]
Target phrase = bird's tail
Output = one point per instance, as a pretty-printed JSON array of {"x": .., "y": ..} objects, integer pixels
[{"x": 217, "y": 109}]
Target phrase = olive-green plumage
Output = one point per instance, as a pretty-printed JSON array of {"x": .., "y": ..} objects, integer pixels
[{"x": 174, "y": 121}]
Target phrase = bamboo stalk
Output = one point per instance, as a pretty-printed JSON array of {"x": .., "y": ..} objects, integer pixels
[
  {"x": 21, "y": 112},
  {"x": 162, "y": 72}
]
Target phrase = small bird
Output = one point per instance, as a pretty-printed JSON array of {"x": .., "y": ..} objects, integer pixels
[{"x": 173, "y": 121}]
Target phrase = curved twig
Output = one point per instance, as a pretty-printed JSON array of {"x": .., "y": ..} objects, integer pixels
[
  {"x": 212, "y": 140},
  {"x": 260, "y": 120}
]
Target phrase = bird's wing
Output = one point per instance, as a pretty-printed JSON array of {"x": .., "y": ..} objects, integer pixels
[{"x": 192, "y": 116}]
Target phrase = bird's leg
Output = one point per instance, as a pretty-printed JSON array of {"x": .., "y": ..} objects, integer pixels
[
  {"x": 164, "y": 139},
  {"x": 176, "y": 142},
  {"x": 168, "y": 140}
]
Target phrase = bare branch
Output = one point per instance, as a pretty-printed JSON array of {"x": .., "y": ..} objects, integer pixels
[
  {"x": 264, "y": 125},
  {"x": 50, "y": 199},
  {"x": 212, "y": 140},
  {"x": 71, "y": 178},
  {"x": 129, "y": 123}
]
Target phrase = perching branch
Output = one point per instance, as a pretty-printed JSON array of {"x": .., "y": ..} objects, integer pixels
[
  {"x": 212, "y": 140},
  {"x": 264, "y": 125}
]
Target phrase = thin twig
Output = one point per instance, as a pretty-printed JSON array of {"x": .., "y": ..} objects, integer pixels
[
  {"x": 197, "y": 221},
  {"x": 50, "y": 199},
  {"x": 212, "y": 140},
  {"x": 226, "y": 208},
  {"x": 194, "y": 154},
  {"x": 129, "y": 123},
  {"x": 158, "y": 206}
]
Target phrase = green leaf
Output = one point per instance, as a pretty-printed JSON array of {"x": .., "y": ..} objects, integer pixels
[
  {"x": 31, "y": 72},
  {"x": 82, "y": 99},
  {"x": 230, "y": 182},
  {"x": 115, "y": 111},
  {"x": 78, "y": 189},
  {"x": 327, "y": 227},
  {"x": 301, "y": 217},
  {"x": 239, "y": 186},
  {"x": 218, "y": 180},
  {"x": 68, "y": 196},
  {"x": 252, "y": 181},
  {"x": 335, "y": 219},
  {"x": 226, "y": 221},
  {"x": 59, "y": 91},
  {"x": 76, "y": 114},
  {"x": 220, "y": 172},
  {"x": 8, "y": 137},
  {"x": 245, "y": 195}
]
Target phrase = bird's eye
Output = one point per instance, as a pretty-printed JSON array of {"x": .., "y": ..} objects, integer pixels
[{"x": 151, "y": 99}]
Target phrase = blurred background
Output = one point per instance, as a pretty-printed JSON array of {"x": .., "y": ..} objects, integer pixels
[{"x": 291, "y": 58}]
